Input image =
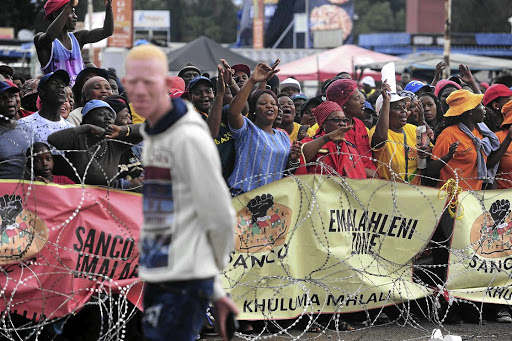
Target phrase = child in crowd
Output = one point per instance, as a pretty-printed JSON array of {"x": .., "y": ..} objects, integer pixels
[{"x": 40, "y": 165}]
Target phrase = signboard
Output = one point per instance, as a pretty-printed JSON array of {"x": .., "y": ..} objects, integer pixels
[
  {"x": 152, "y": 19},
  {"x": 123, "y": 24}
]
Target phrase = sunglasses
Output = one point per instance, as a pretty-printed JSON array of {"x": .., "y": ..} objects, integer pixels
[{"x": 338, "y": 120}]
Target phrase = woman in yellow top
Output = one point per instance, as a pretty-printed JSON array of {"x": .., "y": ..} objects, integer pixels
[{"x": 393, "y": 140}]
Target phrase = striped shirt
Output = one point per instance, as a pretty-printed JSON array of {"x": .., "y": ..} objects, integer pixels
[{"x": 261, "y": 158}]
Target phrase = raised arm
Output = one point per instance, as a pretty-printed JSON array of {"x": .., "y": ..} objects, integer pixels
[
  {"x": 64, "y": 139},
  {"x": 97, "y": 34},
  {"x": 381, "y": 129},
  {"x": 434, "y": 166},
  {"x": 215, "y": 116},
  {"x": 129, "y": 133},
  {"x": 260, "y": 73},
  {"x": 467, "y": 77},
  {"x": 439, "y": 71},
  {"x": 43, "y": 41},
  {"x": 310, "y": 149},
  {"x": 233, "y": 86}
]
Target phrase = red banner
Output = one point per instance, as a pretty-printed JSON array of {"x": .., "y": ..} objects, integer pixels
[{"x": 61, "y": 244}]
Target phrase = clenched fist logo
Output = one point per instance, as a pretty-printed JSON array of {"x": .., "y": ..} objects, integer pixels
[
  {"x": 260, "y": 205},
  {"x": 10, "y": 208},
  {"x": 499, "y": 210}
]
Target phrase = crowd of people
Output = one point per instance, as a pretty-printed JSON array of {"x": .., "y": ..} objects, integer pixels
[
  {"x": 93, "y": 131},
  {"x": 77, "y": 125}
]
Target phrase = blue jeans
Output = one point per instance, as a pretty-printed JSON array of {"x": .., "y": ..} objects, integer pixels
[{"x": 175, "y": 310}]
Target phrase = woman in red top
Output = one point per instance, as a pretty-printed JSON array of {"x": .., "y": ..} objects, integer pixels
[{"x": 328, "y": 151}]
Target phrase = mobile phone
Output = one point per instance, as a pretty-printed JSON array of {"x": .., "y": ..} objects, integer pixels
[
  {"x": 232, "y": 325},
  {"x": 303, "y": 129},
  {"x": 274, "y": 64}
]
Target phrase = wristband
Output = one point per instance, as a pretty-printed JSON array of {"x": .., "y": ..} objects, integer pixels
[
  {"x": 326, "y": 138},
  {"x": 232, "y": 84},
  {"x": 128, "y": 130}
]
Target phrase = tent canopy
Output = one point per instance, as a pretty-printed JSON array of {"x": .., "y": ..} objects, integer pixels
[
  {"x": 327, "y": 64},
  {"x": 205, "y": 54},
  {"x": 428, "y": 62}
]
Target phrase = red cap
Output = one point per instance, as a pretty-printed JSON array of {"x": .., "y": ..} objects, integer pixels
[
  {"x": 176, "y": 87},
  {"x": 243, "y": 68},
  {"x": 495, "y": 91},
  {"x": 51, "y": 6}
]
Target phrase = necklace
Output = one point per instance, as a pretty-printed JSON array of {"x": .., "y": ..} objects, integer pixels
[{"x": 96, "y": 155}]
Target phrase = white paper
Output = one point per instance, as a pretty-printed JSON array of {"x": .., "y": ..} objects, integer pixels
[{"x": 388, "y": 73}]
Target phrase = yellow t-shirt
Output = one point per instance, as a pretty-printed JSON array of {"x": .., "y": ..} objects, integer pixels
[
  {"x": 295, "y": 132},
  {"x": 135, "y": 117},
  {"x": 390, "y": 157}
]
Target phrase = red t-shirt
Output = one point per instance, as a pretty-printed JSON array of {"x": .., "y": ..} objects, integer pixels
[
  {"x": 62, "y": 180},
  {"x": 335, "y": 159},
  {"x": 358, "y": 136}
]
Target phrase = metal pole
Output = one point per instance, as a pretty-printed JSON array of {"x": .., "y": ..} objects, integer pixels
[
  {"x": 89, "y": 12},
  {"x": 306, "y": 42},
  {"x": 447, "y": 36}
]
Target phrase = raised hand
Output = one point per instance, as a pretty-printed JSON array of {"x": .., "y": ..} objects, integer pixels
[
  {"x": 465, "y": 74},
  {"x": 263, "y": 72},
  {"x": 339, "y": 134},
  {"x": 440, "y": 68},
  {"x": 385, "y": 90},
  {"x": 221, "y": 83},
  {"x": 228, "y": 72},
  {"x": 453, "y": 149},
  {"x": 420, "y": 113}
]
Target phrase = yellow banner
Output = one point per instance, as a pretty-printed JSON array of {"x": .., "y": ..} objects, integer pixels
[
  {"x": 314, "y": 243},
  {"x": 481, "y": 251}
]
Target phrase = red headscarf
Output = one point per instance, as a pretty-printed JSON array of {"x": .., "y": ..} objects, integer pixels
[
  {"x": 51, "y": 6},
  {"x": 324, "y": 110},
  {"x": 340, "y": 91},
  {"x": 443, "y": 83}
]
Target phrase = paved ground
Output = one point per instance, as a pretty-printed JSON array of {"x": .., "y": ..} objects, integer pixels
[{"x": 490, "y": 331}]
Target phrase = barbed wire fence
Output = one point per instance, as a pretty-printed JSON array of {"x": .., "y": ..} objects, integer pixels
[{"x": 105, "y": 308}]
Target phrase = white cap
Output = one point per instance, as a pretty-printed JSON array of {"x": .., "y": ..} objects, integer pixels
[
  {"x": 289, "y": 83},
  {"x": 368, "y": 80},
  {"x": 394, "y": 98}
]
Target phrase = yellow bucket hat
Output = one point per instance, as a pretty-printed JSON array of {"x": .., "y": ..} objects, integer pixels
[
  {"x": 507, "y": 113},
  {"x": 461, "y": 101}
]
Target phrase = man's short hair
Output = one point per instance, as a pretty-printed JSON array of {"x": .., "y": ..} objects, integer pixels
[{"x": 148, "y": 52}]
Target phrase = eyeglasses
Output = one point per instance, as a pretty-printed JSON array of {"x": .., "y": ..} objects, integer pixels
[{"x": 338, "y": 120}]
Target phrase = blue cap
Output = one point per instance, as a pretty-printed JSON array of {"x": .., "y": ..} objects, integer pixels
[
  {"x": 61, "y": 74},
  {"x": 95, "y": 103},
  {"x": 194, "y": 81},
  {"x": 368, "y": 105},
  {"x": 414, "y": 86},
  {"x": 299, "y": 96},
  {"x": 4, "y": 87}
]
